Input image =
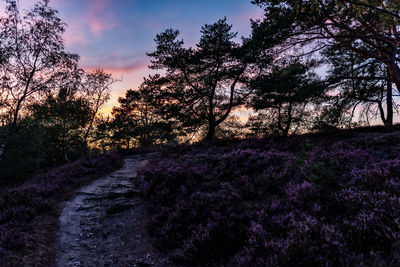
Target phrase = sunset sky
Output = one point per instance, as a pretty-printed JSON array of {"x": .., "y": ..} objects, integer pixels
[{"x": 116, "y": 34}]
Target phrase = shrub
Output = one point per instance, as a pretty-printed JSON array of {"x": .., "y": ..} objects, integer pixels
[
  {"x": 291, "y": 202},
  {"x": 21, "y": 204}
]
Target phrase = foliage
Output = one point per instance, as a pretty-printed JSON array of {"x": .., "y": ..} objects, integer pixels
[
  {"x": 25, "y": 154},
  {"x": 33, "y": 58},
  {"x": 62, "y": 118},
  {"x": 202, "y": 85},
  {"x": 137, "y": 122},
  {"x": 362, "y": 83},
  {"x": 48, "y": 106},
  {"x": 301, "y": 201},
  {"x": 231, "y": 128},
  {"x": 287, "y": 94},
  {"x": 367, "y": 31}
]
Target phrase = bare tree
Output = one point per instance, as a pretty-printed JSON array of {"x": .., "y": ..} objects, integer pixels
[
  {"x": 32, "y": 59},
  {"x": 96, "y": 89}
]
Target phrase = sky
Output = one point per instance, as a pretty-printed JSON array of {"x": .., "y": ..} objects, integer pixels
[{"x": 116, "y": 34}]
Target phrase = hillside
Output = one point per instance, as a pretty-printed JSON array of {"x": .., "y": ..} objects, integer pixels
[
  {"x": 325, "y": 199},
  {"x": 29, "y": 212},
  {"x": 328, "y": 199}
]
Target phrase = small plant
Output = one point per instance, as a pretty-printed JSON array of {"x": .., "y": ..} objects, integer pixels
[{"x": 263, "y": 203}]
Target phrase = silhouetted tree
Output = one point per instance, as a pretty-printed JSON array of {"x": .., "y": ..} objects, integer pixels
[
  {"x": 202, "y": 85},
  {"x": 95, "y": 89},
  {"x": 286, "y": 92},
  {"x": 231, "y": 128},
  {"x": 63, "y": 117},
  {"x": 32, "y": 59},
  {"x": 362, "y": 83},
  {"x": 48, "y": 106},
  {"x": 138, "y": 122},
  {"x": 368, "y": 28}
]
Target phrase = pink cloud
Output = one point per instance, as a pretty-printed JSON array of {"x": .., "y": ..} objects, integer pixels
[
  {"x": 118, "y": 70},
  {"x": 75, "y": 34},
  {"x": 97, "y": 18},
  {"x": 100, "y": 19}
]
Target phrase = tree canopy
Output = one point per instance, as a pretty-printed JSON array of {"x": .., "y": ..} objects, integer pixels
[
  {"x": 286, "y": 92},
  {"x": 48, "y": 105},
  {"x": 206, "y": 82},
  {"x": 368, "y": 29}
]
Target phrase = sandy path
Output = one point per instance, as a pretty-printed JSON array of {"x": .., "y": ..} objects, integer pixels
[{"x": 105, "y": 224}]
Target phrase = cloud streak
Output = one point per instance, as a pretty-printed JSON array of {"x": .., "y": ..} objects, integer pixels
[
  {"x": 100, "y": 17},
  {"x": 130, "y": 68}
]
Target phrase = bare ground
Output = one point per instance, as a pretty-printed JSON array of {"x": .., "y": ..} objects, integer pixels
[{"x": 105, "y": 224}]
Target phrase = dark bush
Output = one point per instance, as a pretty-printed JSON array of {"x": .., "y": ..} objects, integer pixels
[{"x": 300, "y": 201}]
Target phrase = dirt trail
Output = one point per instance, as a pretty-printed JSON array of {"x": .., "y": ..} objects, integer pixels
[{"x": 105, "y": 224}]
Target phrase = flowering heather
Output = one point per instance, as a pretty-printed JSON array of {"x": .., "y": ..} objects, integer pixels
[
  {"x": 301, "y": 201},
  {"x": 20, "y": 205}
]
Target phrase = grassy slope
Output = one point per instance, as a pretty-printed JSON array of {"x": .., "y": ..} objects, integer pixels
[
  {"x": 328, "y": 199},
  {"x": 29, "y": 212}
]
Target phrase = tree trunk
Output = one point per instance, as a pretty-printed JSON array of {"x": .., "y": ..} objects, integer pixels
[
  {"x": 280, "y": 128},
  {"x": 389, "y": 101},
  {"x": 394, "y": 72},
  {"x": 2, "y": 147},
  {"x": 381, "y": 112},
  {"x": 211, "y": 131},
  {"x": 86, "y": 151},
  {"x": 289, "y": 121}
]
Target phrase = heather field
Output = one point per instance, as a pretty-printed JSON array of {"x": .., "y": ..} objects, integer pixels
[
  {"x": 314, "y": 200},
  {"x": 21, "y": 207}
]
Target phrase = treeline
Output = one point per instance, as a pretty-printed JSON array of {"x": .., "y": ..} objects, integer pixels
[
  {"x": 48, "y": 105},
  {"x": 307, "y": 66}
]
